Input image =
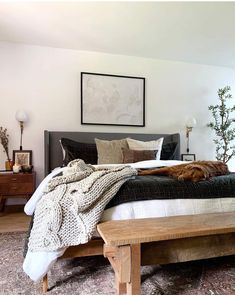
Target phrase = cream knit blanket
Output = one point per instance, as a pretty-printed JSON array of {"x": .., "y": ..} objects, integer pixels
[{"x": 72, "y": 206}]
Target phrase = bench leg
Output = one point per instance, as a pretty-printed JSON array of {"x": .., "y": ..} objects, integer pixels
[
  {"x": 120, "y": 287},
  {"x": 125, "y": 261},
  {"x": 134, "y": 286},
  {"x": 45, "y": 283}
]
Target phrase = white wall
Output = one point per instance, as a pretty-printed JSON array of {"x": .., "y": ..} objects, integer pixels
[{"x": 46, "y": 83}]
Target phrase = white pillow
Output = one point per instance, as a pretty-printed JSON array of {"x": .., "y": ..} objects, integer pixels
[
  {"x": 63, "y": 151},
  {"x": 146, "y": 145}
]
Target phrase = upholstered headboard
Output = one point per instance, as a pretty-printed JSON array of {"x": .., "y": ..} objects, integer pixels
[{"x": 53, "y": 151}]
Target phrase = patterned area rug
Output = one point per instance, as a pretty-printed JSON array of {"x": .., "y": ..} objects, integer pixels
[{"x": 94, "y": 276}]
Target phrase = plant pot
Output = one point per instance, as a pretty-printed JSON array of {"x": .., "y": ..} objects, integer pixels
[{"x": 9, "y": 165}]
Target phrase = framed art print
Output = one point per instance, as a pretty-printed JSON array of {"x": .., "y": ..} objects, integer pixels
[
  {"x": 188, "y": 157},
  {"x": 22, "y": 157},
  {"x": 112, "y": 100}
]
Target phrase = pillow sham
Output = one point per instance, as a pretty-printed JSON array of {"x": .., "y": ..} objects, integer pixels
[
  {"x": 110, "y": 151},
  {"x": 168, "y": 151},
  {"x": 132, "y": 156},
  {"x": 146, "y": 145},
  {"x": 78, "y": 150}
]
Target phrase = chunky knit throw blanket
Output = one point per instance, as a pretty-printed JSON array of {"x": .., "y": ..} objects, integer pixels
[{"x": 72, "y": 206}]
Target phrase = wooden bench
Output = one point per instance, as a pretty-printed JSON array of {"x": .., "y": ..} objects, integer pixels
[{"x": 132, "y": 243}]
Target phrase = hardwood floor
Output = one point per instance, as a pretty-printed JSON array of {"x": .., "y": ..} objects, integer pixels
[{"x": 14, "y": 219}]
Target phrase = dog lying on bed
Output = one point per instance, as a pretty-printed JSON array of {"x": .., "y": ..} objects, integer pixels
[{"x": 194, "y": 171}]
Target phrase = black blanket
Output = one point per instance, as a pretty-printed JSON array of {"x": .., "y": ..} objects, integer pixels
[{"x": 153, "y": 187}]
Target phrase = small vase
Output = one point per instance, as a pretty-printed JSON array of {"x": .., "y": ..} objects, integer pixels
[{"x": 8, "y": 165}]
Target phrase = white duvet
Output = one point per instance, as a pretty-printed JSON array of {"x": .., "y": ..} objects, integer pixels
[{"x": 37, "y": 264}]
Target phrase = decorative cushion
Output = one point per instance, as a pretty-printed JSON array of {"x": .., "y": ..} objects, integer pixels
[
  {"x": 79, "y": 150},
  {"x": 110, "y": 151},
  {"x": 132, "y": 156},
  {"x": 168, "y": 151},
  {"x": 155, "y": 145}
]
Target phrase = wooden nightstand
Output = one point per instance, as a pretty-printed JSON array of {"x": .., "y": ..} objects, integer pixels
[{"x": 16, "y": 185}]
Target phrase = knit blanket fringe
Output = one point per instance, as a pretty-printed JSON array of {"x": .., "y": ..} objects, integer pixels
[{"x": 73, "y": 203}]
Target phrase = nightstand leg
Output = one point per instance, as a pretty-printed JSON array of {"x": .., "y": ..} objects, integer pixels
[
  {"x": 27, "y": 197},
  {"x": 2, "y": 203}
]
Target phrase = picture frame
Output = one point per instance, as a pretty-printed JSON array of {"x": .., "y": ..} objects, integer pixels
[
  {"x": 188, "y": 157},
  {"x": 112, "y": 100},
  {"x": 22, "y": 157}
]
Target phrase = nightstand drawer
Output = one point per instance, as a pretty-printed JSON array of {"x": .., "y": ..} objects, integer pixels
[
  {"x": 4, "y": 188},
  {"x": 20, "y": 188},
  {"x": 16, "y": 178},
  {"x": 17, "y": 184}
]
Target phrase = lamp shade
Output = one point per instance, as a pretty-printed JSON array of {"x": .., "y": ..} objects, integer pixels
[
  {"x": 21, "y": 116},
  {"x": 191, "y": 122}
]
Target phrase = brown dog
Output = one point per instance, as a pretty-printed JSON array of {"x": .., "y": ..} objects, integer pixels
[{"x": 194, "y": 171}]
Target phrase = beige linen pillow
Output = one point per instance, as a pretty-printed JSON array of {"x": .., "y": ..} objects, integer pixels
[
  {"x": 146, "y": 145},
  {"x": 110, "y": 151}
]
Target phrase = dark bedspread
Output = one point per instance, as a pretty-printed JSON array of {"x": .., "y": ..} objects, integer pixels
[{"x": 152, "y": 187}]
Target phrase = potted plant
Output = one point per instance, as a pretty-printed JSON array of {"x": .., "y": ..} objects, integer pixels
[
  {"x": 223, "y": 125},
  {"x": 4, "y": 139}
]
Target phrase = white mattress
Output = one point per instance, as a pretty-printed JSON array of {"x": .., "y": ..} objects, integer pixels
[
  {"x": 172, "y": 207},
  {"x": 37, "y": 264}
]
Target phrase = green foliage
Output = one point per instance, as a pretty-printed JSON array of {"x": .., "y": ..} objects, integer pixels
[{"x": 223, "y": 126}]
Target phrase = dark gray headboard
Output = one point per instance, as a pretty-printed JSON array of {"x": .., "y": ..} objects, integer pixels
[{"x": 53, "y": 152}]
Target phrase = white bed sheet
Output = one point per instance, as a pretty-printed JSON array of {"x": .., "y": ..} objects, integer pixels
[{"x": 37, "y": 264}]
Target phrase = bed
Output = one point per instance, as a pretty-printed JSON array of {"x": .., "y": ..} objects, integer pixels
[{"x": 159, "y": 207}]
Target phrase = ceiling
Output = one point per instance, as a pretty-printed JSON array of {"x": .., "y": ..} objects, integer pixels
[{"x": 197, "y": 32}]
